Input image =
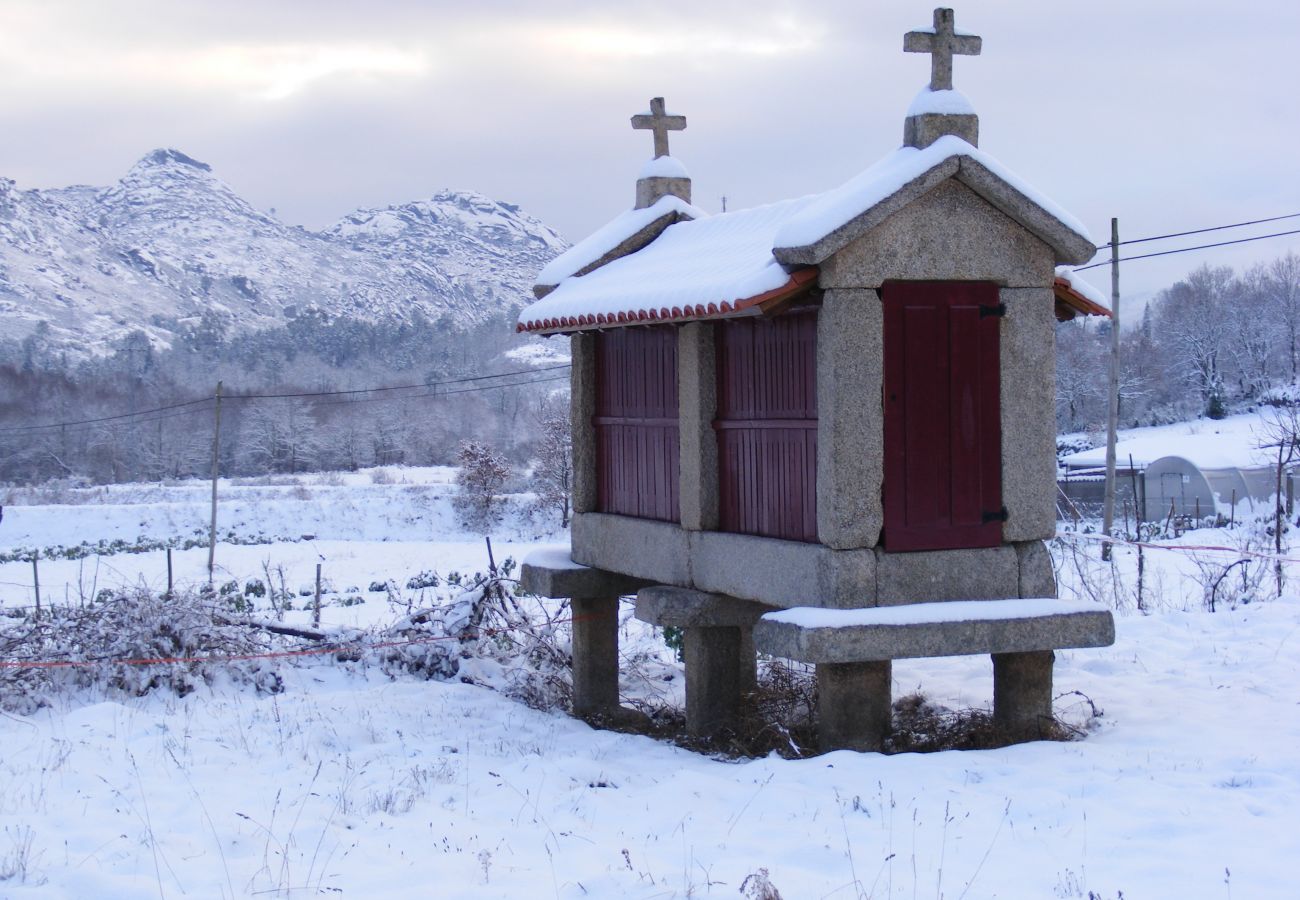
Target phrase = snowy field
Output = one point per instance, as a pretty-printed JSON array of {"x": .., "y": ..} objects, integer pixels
[{"x": 349, "y": 782}]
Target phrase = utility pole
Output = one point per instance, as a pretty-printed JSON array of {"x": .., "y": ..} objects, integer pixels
[
  {"x": 1112, "y": 412},
  {"x": 216, "y": 457}
]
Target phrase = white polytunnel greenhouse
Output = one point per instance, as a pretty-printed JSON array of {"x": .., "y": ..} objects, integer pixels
[{"x": 1188, "y": 476}]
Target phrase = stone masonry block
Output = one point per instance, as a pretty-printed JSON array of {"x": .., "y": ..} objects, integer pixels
[
  {"x": 582, "y": 406},
  {"x": 925, "y": 129},
  {"x": 714, "y": 679},
  {"x": 1028, "y": 398},
  {"x": 850, "y": 424},
  {"x": 782, "y": 573},
  {"x": 595, "y": 655},
  {"x": 1022, "y": 693},
  {"x": 991, "y": 573},
  {"x": 1037, "y": 577},
  {"x": 641, "y": 548},
  {"x": 697, "y": 396},
  {"x": 853, "y": 705},
  {"x": 950, "y": 233}
]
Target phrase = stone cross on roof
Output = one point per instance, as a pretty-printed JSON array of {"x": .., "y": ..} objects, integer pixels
[
  {"x": 660, "y": 123},
  {"x": 942, "y": 42}
]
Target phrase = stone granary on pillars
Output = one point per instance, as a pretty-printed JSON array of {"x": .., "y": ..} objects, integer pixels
[{"x": 800, "y": 427}]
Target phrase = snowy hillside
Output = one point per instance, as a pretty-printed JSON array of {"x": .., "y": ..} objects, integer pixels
[{"x": 171, "y": 242}]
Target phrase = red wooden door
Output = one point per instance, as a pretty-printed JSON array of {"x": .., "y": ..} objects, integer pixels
[
  {"x": 636, "y": 423},
  {"x": 767, "y": 426},
  {"x": 943, "y": 436}
]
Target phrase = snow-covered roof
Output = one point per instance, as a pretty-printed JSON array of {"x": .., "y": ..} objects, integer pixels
[
  {"x": 605, "y": 240},
  {"x": 1231, "y": 450},
  {"x": 709, "y": 266},
  {"x": 723, "y": 264},
  {"x": 841, "y": 206},
  {"x": 1075, "y": 283}
]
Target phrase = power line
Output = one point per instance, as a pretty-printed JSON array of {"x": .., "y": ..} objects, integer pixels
[
  {"x": 139, "y": 415},
  {"x": 1161, "y": 237},
  {"x": 143, "y": 412},
  {"x": 1189, "y": 249},
  {"x": 396, "y": 387}
]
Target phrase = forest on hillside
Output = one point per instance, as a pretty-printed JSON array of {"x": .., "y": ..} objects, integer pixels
[{"x": 140, "y": 412}]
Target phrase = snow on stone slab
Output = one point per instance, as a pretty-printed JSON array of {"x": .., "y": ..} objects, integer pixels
[
  {"x": 663, "y": 167},
  {"x": 839, "y": 206},
  {"x": 605, "y": 239},
  {"x": 949, "y": 103},
  {"x": 929, "y": 613},
  {"x": 714, "y": 260},
  {"x": 559, "y": 556},
  {"x": 1082, "y": 287}
]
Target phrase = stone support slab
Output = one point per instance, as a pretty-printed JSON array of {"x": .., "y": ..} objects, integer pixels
[
  {"x": 854, "y": 706},
  {"x": 991, "y": 573},
  {"x": 552, "y": 573},
  {"x": 1028, "y": 399},
  {"x": 582, "y": 407},
  {"x": 933, "y": 629},
  {"x": 677, "y": 607},
  {"x": 595, "y": 656},
  {"x": 924, "y": 129},
  {"x": 698, "y": 399},
  {"x": 850, "y": 419},
  {"x": 714, "y": 683},
  {"x": 1022, "y": 693}
]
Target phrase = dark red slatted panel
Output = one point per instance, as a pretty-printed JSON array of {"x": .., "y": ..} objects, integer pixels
[
  {"x": 636, "y": 422},
  {"x": 943, "y": 439},
  {"x": 767, "y": 426}
]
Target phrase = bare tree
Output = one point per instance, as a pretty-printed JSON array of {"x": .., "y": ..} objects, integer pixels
[
  {"x": 553, "y": 472},
  {"x": 1283, "y": 286}
]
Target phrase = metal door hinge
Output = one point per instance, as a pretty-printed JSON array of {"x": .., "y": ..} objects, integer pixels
[
  {"x": 1000, "y": 311},
  {"x": 999, "y": 516}
]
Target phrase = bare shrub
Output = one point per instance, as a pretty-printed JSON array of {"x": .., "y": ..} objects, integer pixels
[{"x": 481, "y": 475}]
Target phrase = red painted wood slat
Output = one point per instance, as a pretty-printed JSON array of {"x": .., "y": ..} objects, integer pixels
[
  {"x": 636, "y": 422},
  {"x": 767, "y": 425}
]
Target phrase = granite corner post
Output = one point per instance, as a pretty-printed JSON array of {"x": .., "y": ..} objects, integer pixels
[
  {"x": 697, "y": 402},
  {"x": 1028, "y": 414},
  {"x": 582, "y": 407},
  {"x": 850, "y": 419}
]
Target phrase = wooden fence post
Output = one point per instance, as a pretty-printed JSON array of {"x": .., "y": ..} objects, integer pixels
[
  {"x": 169, "y": 573},
  {"x": 36, "y": 581},
  {"x": 315, "y": 606}
]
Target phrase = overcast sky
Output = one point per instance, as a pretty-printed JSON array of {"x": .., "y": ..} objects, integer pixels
[{"x": 1169, "y": 115}]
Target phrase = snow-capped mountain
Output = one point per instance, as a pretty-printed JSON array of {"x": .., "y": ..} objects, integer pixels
[{"x": 171, "y": 241}]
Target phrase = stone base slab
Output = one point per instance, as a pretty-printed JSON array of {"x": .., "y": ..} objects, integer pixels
[{"x": 791, "y": 573}]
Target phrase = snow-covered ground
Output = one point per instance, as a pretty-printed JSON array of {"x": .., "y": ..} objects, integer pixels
[{"x": 350, "y": 782}]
